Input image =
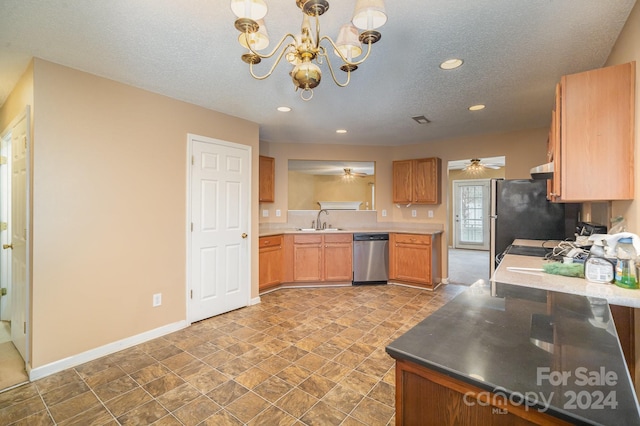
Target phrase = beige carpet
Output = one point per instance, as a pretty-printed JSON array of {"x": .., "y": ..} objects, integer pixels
[{"x": 11, "y": 366}]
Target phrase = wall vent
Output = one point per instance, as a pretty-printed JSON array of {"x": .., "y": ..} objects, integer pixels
[{"x": 421, "y": 119}]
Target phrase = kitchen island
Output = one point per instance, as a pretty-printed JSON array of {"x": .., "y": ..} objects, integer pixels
[{"x": 505, "y": 354}]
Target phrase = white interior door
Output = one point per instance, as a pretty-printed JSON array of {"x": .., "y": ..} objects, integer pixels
[
  {"x": 18, "y": 245},
  {"x": 471, "y": 214},
  {"x": 5, "y": 227},
  {"x": 220, "y": 190}
]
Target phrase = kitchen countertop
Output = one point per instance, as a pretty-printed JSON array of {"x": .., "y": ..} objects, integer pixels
[
  {"x": 382, "y": 227},
  {"x": 612, "y": 293},
  {"x": 515, "y": 341}
]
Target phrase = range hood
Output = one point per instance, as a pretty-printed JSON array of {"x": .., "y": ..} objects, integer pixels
[{"x": 544, "y": 171}]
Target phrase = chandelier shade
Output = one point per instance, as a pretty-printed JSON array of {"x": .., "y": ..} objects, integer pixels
[
  {"x": 258, "y": 40},
  {"x": 249, "y": 9},
  {"x": 369, "y": 14},
  {"x": 308, "y": 49}
]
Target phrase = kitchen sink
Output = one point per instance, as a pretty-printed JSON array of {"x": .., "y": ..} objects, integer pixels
[{"x": 320, "y": 230}]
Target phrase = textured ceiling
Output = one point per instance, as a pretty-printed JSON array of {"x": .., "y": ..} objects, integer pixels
[{"x": 514, "y": 53}]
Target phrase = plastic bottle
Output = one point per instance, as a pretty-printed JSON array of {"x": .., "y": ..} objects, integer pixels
[
  {"x": 597, "y": 268},
  {"x": 625, "y": 265}
]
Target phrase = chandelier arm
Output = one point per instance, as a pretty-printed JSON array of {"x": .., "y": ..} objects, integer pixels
[
  {"x": 275, "y": 49},
  {"x": 345, "y": 60},
  {"x": 333, "y": 76},
  {"x": 273, "y": 67}
]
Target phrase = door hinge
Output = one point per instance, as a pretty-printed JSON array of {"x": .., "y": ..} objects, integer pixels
[
  {"x": 191, "y": 226},
  {"x": 191, "y": 293},
  {"x": 25, "y": 327},
  {"x": 193, "y": 160},
  {"x": 3, "y": 159}
]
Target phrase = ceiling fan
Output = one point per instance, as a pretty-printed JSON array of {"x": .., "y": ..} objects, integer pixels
[
  {"x": 476, "y": 164},
  {"x": 350, "y": 173}
]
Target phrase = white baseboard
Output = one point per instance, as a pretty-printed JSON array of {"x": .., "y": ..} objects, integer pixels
[
  {"x": 90, "y": 355},
  {"x": 254, "y": 301}
]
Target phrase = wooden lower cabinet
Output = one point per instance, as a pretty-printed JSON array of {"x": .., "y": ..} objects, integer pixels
[
  {"x": 271, "y": 261},
  {"x": 319, "y": 258},
  {"x": 415, "y": 259},
  {"x": 624, "y": 319},
  {"x": 427, "y": 397}
]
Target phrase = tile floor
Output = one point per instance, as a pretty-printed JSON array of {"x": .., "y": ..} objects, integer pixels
[{"x": 301, "y": 357}]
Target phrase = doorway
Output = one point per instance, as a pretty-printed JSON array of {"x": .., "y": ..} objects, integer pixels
[
  {"x": 219, "y": 257},
  {"x": 471, "y": 213},
  {"x": 14, "y": 255}
]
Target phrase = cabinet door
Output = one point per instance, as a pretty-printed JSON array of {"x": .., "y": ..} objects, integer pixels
[
  {"x": 307, "y": 262},
  {"x": 402, "y": 183},
  {"x": 597, "y": 140},
  {"x": 413, "y": 263},
  {"x": 266, "y": 174},
  {"x": 426, "y": 181},
  {"x": 338, "y": 261},
  {"x": 271, "y": 267}
]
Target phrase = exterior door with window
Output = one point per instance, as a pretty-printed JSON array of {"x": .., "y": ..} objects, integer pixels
[{"x": 471, "y": 214}]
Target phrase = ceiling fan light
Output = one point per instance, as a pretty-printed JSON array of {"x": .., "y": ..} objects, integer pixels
[
  {"x": 348, "y": 43},
  {"x": 251, "y": 9},
  {"x": 369, "y": 14},
  {"x": 258, "y": 40}
]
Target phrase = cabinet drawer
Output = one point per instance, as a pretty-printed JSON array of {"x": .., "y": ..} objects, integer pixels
[
  {"x": 338, "y": 238},
  {"x": 307, "y": 239},
  {"x": 271, "y": 241},
  {"x": 413, "y": 239}
]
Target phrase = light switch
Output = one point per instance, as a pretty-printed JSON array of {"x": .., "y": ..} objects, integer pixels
[
  {"x": 431, "y": 213},
  {"x": 278, "y": 213},
  {"x": 265, "y": 213},
  {"x": 384, "y": 212}
]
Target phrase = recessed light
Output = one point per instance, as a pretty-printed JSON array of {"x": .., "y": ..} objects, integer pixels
[
  {"x": 451, "y": 64},
  {"x": 284, "y": 109},
  {"x": 476, "y": 107},
  {"x": 341, "y": 131}
]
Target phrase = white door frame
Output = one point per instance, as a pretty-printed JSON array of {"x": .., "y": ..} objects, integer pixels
[
  {"x": 485, "y": 222},
  {"x": 24, "y": 116},
  {"x": 189, "y": 210}
]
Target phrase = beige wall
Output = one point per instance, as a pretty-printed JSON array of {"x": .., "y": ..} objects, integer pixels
[
  {"x": 523, "y": 150},
  {"x": 306, "y": 190},
  {"x": 627, "y": 49},
  {"x": 109, "y": 208}
]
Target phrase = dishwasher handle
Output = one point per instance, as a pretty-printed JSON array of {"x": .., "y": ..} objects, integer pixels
[{"x": 370, "y": 237}]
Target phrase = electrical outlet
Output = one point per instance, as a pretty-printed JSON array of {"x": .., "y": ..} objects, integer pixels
[
  {"x": 384, "y": 212},
  {"x": 414, "y": 213},
  {"x": 157, "y": 299},
  {"x": 265, "y": 213},
  {"x": 278, "y": 213},
  {"x": 430, "y": 213}
]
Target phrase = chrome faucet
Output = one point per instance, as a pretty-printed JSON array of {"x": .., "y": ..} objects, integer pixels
[{"x": 320, "y": 225}]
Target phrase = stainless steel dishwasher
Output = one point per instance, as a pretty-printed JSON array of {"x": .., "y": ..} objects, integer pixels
[{"x": 370, "y": 258}]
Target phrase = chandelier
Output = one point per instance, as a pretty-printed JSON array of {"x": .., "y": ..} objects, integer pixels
[{"x": 305, "y": 51}]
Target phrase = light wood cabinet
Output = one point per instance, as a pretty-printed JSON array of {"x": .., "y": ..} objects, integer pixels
[
  {"x": 591, "y": 141},
  {"x": 266, "y": 173},
  {"x": 417, "y": 181},
  {"x": 271, "y": 261},
  {"x": 415, "y": 259},
  {"x": 322, "y": 258}
]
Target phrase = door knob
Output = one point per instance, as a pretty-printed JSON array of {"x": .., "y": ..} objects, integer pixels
[
  {"x": 7, "y": 246},
  {"x": 244, "y": 235}
]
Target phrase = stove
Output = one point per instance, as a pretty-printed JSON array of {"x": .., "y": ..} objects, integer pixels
[{"x": 529, "y": 251}]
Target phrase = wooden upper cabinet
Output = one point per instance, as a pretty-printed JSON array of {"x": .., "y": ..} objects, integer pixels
[
  {"x": 593, "y": 135},
  {"x": 417, "y": 181},
  {"x": 266, "y": 173}
]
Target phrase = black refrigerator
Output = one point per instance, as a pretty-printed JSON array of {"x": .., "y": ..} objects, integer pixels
[{"x": 520, "y": 209}]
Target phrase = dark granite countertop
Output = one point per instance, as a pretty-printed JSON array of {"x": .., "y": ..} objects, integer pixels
[{"x": 515, "y": 341}]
